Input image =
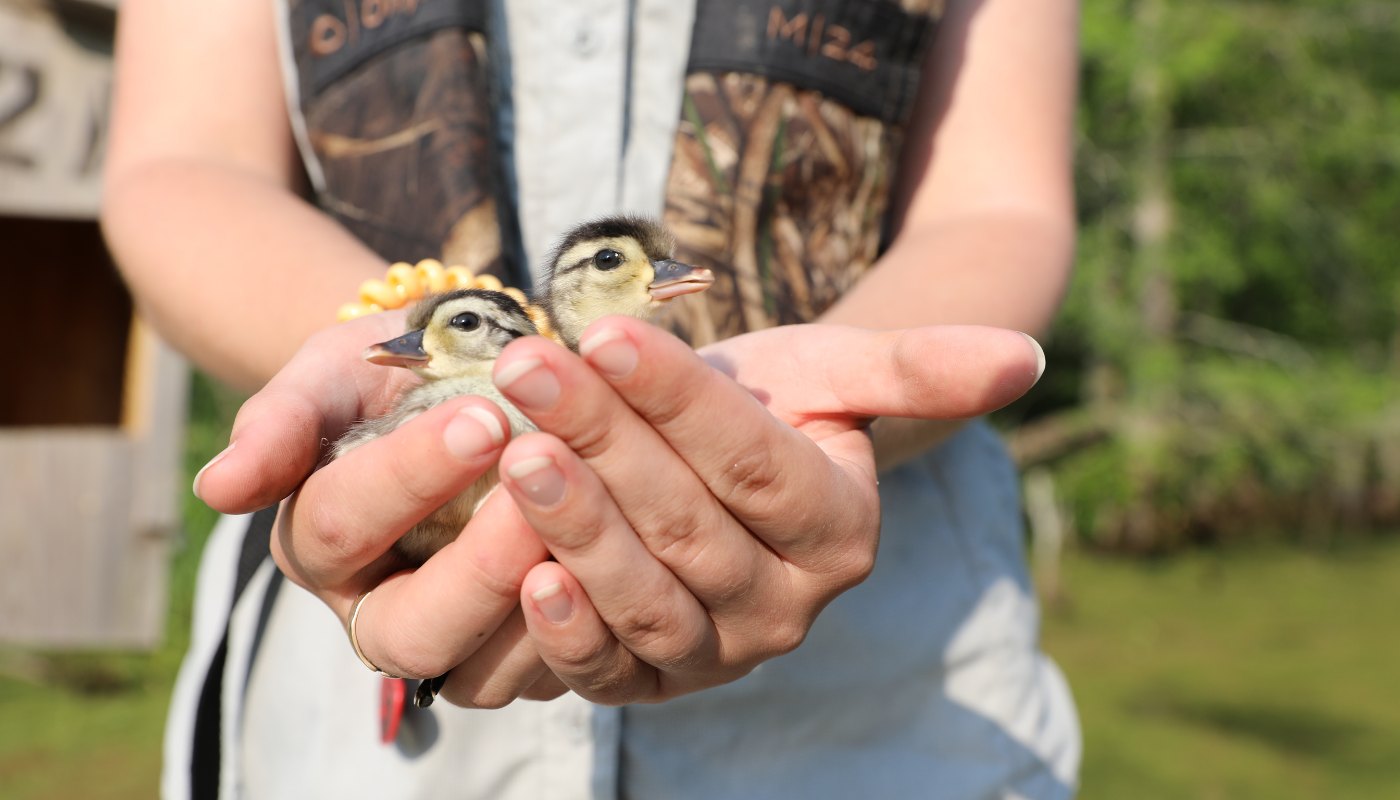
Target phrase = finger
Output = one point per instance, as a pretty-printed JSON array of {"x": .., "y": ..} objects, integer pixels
[
  {"x": 427, "y": 622},
  {"x": 659, "y": 495},
  {"x": 939, "y": 372},
  {"x": 651, "y": 613},
  {"x": 547, "y": 687},
  {"x": 500, "y": 671},
  {"x": 576, "y": 644},
  {"x": 350, "y": 512},
  {"x": 275, "y": 445}
]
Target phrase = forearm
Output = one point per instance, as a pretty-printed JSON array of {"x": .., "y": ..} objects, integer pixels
[
  {"x": 984, "y": 207},
  {"x": 200, "y": 208},
  {"x": 1002, "y": 268},
  {"x": 238, "y": 272}
]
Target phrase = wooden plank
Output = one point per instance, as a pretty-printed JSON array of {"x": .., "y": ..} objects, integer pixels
[
  {"x": 87, "y": 515},
  {"x": 63, "y": 496}
]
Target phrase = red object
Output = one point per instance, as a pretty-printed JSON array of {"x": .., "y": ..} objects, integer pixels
[{"x": 392, "y": 694}]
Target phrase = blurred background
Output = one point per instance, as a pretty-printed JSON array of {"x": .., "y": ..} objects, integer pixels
[{"x": 1212, "y": 460}]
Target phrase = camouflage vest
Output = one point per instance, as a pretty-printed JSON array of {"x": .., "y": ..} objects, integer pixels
[{"x": 781, "y": 172}]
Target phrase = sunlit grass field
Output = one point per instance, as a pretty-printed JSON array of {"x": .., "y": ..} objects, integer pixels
[{"x": 1262, "y": 670}]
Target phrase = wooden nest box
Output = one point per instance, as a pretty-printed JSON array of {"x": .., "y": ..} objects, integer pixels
[{"x": 92, "y": 404}]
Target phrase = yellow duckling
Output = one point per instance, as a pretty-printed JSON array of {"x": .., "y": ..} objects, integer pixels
[
  {"x": 615, "y": 265},
  {"x": 453, "y": 341}
]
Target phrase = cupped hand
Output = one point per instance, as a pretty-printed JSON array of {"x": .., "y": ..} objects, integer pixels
[
  {"x": 704, "y": 507},
  {"x": 701, "y": 516},
  {"x": 337, "y": 522}
]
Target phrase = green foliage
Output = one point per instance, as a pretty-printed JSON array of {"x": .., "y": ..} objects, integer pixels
[
  {"x": 1283, "y": 157},
  {"x": 1238, "y": 446},
  {"x": 1275, "y": 126}
]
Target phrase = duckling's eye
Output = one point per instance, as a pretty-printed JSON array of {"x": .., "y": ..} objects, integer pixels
[
  {"x": 466, "y": 321},
  {"x": 607, "y": 259}
]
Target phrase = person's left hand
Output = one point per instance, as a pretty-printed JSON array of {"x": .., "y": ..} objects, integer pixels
[{"x": 701, "y": 517}]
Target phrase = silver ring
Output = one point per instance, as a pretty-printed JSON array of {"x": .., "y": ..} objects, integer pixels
[{"x": 355, "y": 641}]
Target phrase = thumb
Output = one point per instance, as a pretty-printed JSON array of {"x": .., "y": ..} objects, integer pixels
[
  {"x": 275, "y": 445},
  {"x": 277, "y": 435},
  {"x": 940, "y": 372}
]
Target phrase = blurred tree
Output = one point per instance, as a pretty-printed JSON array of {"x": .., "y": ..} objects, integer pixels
[{"x": 1228, "y": 352}]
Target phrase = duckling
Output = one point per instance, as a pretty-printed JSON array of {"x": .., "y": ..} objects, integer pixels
[
  {"x": 614, "y": 265},
  {"x": 452, "y": 344},
  {"x": 453, "y": 341}
]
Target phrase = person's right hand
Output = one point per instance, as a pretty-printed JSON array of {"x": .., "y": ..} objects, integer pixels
[{"x": 337, "y": 522}]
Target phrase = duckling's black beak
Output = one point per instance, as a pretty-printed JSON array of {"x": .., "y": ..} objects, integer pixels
[
  {"x": 674, "y": 279},
  {"x": 405, "y": 351}
]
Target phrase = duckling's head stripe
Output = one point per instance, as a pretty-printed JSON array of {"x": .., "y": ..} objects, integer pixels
[
  {"x": 653, "y": 238},
  {"x": 422, "y": 313}
]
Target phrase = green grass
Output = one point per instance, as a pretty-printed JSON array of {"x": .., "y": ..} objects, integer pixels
[
  {"x": 58, "y": 742},
  {"x": 1259, "y": 671},
  {"x": 1254, "y": 671}
]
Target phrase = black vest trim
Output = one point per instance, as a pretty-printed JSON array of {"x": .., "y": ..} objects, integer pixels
[
  {"x": 340, "y": 35},
  {"x": 206, "y": 757},
  {"x": 864, "y": 54}
]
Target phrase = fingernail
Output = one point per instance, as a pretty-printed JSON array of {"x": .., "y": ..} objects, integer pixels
[
  {"x": 472, "y": 433},
  {"x": 1039, "y": 357},
  {"x": 554, "y": 603},
  {"x": 216, "y": 459},
  {"x": 539, "y": 478},
  {"x": 611, "y": 352},
  {"x": 529, "y": 383}
]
